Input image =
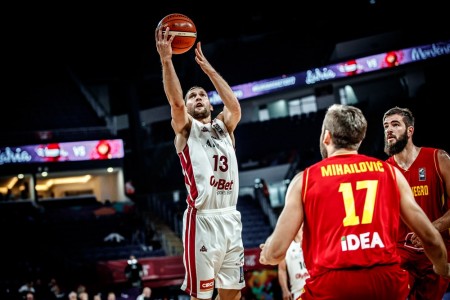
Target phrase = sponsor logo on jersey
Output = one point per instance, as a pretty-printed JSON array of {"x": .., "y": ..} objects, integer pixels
[
  {"x": 206, "y": 285},
  {"x": 366, "y": 240},
  {"x": 218, "y": 128},
  {"x": 203, "y": 249},
  {"x": 301, "y": 276},
  {"x": 422, "y": 174},
  {"x": 221, "y": 184},
  {"x": 204, "y": 129}
]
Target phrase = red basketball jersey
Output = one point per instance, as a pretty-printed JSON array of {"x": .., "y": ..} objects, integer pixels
[
  {"x": 427, "y": 186},
  {"x": 352, "y": 210}
]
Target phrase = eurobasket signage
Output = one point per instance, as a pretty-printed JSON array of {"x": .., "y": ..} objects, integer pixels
[
  {"x": 63, "y": 152},
  {"x": 343, "y": 69}
]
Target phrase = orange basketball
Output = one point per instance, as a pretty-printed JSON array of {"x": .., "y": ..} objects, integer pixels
[{"x": 184, "y": 30}]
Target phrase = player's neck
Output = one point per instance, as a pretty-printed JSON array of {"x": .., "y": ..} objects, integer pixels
[
  {"x": 406, "y": 158},
  {"x": 204, "y": 120},
  {"x": 343, "y": 152}
]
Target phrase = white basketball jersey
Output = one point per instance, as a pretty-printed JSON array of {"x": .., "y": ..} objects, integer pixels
[
  {"x": 210, "y": 166},
  {"x": 295, "y": 264}
]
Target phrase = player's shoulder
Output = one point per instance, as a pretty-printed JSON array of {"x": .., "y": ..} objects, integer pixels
[
  {"x": 429, "y": 149},
  {"x": 433, "y": 151},
  {"x": 442, "y": 151},
  {"x": 443, "y": 156}
]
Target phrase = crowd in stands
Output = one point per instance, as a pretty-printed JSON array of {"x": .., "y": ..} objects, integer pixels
[
  {"x": 52, "y": 289},
  {"x": 57, "y": 246}
]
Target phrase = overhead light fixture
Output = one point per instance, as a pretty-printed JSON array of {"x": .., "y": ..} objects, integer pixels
[
  {"x": 12, "y": 182},
  {"x": 66, "y": 180},
  {"x": 9, "y": 185}
]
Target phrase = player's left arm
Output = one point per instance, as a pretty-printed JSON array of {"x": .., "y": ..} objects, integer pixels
[
  {"x": 231, "y": 114},
  {"x": 443, "y": 223}
]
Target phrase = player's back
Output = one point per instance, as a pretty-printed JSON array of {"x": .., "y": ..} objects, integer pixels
[{"x": 351, "y": 205}]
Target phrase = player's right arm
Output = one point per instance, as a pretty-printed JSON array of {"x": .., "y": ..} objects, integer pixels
[
  {"x": 413, "y": 216},
  {"x": 273, "y": 251}
]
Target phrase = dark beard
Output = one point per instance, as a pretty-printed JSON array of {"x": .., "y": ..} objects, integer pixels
[{"x": 397, "y": 147}]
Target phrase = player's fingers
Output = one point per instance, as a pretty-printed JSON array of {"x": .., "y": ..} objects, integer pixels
[
  {"x": 158, "y": 34},
  {"x": 166, "y": 33},
  {"x": 171, "y": 38}
]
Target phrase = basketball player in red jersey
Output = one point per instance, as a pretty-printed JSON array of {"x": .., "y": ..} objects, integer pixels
[
  {"x": 350, "y": 205},
  {"x": 428, "y": 173},
  {"x": 212, "y": 228}
]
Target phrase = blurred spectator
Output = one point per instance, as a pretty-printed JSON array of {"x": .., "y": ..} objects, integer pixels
[
  {"x": 81, "y": 288},
  {"x": 137, "y": 225},
  {"x": 146, "y": 294},
  {"x": 129, "y": 188},
  {"x": 29, "y": 296},
  {"x": 134, "y": 272},
  {"x": 263, "y": 186},
  {"x": 27, "y": 287},
  {"x": 107, "y": 209},
  {"x": 111, "y": 296},
  {"x": 73, "y": 296},
  {"x": 58, "y": 292},
  {"x": 97, "y": 296},
  {"x": 41, "y": 289},
  {"x": 51, "y": 284},
  {"x": 83, "y": 296},
  {"x": 114, "y": 238}
]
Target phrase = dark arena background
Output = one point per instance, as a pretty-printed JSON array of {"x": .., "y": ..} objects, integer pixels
[{"x": 88, "y": 170}]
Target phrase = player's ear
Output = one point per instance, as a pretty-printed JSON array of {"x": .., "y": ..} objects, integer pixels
[
  {"x": 326, "y": 137},
  {"x": 410, "y": 131}
]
